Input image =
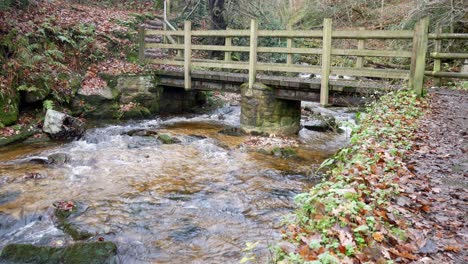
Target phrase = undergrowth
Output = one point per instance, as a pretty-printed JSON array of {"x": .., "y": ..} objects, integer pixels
[{"x": 347, "y": 217}]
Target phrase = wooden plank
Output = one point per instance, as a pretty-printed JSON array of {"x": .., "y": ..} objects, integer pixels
[
  {"x": 326, "y": 60},
  {"x": 449, "y": 36},
  {"x": 289, "y": 50},
  {"x": 373, "y": 34},
  {"x": 437, "y": 62},
  {"x": 221, "y": 48},
  {"x": 166, "y": 62},
  {"x": 439, "y": 74},
  {"x": 372, "y": 53},
  {"x": 220, "y": 64},
  {"x": 141, "y": 44},
  {"x": 228, "y": 44},
  {"x": 279, "y": 67},
  {"x": 150, "y": 32},
  {"x": 289, "y": 45},
  {"x": 361, "y": 46},
  {"x": 418, "y": 60},
  {"x": 187, "y": 55},
  {"x": 440, "y": 55},
  {"x": 221, "y": 33},
  {"x": 290, "y": 34},
  {"x": 369, "y": 72},
  {"x": 253, "y": 52},
  {"x": 165, "y": 46}
]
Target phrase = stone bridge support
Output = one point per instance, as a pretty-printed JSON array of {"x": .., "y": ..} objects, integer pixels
[{"x": 261, "y": 112}]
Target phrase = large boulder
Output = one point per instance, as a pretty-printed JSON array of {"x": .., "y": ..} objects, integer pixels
[
  {"x": 100, "y": 103},
  {"x": 62, "y": 126}
]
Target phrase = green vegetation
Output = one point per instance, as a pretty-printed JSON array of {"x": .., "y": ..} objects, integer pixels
[
  {"x": 95, "y": 252},
  {"x": 348, "y": 213}
]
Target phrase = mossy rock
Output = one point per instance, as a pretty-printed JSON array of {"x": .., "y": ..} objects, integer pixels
[
  {"x": 136, "y": 112},
  {"x": 90, "y": 253},
  {"x": 9, "y": 108},
  {"x": 69, "y": 228},
  {"x": 168, "y": 139},
  {"x": 36, "y": 95},
  {"x": 22, "y": 136},
  {"x": 284, "y": 153}
]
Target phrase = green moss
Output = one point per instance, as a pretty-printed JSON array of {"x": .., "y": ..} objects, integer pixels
[
  {"x": 166, "y": 139},
  {"x": 23, "y": 135},
  {"x": 9, "y": 108},
  {"x": 136, "y": 112},
  {"x": 90, "y": 253},
  {"x": 285, "y": 153},
  {"x": 73, "y": 231}
]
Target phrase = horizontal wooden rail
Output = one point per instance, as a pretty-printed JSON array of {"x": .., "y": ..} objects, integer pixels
[
  {"x": 448, "y": 36},
  {"x": 352, "y": 34},
  {"x": 460, "y": 75},
  {"x": 312, "y": 51},
  {"x": 439, "y": 55}
]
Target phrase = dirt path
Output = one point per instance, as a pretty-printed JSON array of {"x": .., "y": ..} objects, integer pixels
[{"x": 438, "y": 194}]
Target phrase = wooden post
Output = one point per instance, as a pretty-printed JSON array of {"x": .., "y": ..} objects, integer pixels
[
  {"x": 187, "y": 55},
  {"x": 289, "y": 44},
  {"x": 228, "y": 54},
  {"x": 437, "y": 49},
  {"x": 253, "y": 52},
  {"x": 360, "y": 46},
  {"x": 418, "y": 58},
  {"x": 141, "y": 44},
  {"x": 326, "y": 60}
]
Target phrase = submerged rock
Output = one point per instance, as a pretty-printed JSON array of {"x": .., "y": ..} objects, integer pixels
[
  {"x": 62, "y": 126},
  {"x": 284, "y": 153},
  {"x": 142, "y": 133},
  {"x": 90, "y": 253},
  {"x": 64, "y": 211},
  {"x": 58, "y": 158},
  {"x": 232, "y": 131}
]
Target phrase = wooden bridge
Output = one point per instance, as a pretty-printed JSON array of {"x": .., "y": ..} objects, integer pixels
[{"x": 198, "y": 72}]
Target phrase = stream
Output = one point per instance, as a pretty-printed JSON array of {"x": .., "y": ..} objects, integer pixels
[{"x": 197, "y": 201}]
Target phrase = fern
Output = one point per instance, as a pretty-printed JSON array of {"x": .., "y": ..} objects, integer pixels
[
  {"x": 48, "y": 104},
  {"x": 26, "y": 88}
]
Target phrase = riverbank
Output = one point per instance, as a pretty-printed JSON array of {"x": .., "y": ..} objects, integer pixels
[{"x": 384, "y": 199}]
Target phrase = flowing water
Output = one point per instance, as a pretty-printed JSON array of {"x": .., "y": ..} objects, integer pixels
[{"x": 198, "y": 201}]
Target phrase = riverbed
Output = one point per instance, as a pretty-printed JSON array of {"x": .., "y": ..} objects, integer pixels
[{"x": 197, "y": 201}]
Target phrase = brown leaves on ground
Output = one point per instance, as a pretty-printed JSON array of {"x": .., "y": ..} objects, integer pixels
[{"x": 438, "y": 194}]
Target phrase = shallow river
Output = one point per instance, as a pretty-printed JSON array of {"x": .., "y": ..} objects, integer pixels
[{"x": 198, "y": 201}]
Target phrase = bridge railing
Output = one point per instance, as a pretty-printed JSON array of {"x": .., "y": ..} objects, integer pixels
[{"x": 419, "y": 37}]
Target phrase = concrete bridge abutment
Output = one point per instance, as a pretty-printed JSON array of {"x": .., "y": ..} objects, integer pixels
[{"x": 261, "y": 112}]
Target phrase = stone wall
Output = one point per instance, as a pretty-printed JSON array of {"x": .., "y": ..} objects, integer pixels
[
  {"x": 134, "y": 96},
  {"x": 261, "y": 112}
]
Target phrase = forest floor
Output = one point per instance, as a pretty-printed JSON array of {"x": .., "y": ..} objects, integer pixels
[{"x": 438, "y": 194}]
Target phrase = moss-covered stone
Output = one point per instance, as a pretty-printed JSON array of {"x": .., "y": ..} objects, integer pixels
[
  {"x": 36, "y": 95},
  {"x": 285, "y": 153},
  {"x": 9, "y": 108},
  {"x": 90, "y": 253},
  {"x": 63, "y": 223},
  {"x": 23, "y": 135},
  {"x": 168, "y": 139},
  {"x": 136, "y": 112},
  {"x": 262, "y": 112}
]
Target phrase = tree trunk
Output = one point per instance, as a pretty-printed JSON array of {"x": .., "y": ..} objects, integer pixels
[{"x": 217, "y": 22}]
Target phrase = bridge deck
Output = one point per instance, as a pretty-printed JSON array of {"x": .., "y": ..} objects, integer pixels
[{"x": 342, "y": 92}]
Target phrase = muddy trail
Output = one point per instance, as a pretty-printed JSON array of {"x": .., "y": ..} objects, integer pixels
[{"x": 436, "y": 197}]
